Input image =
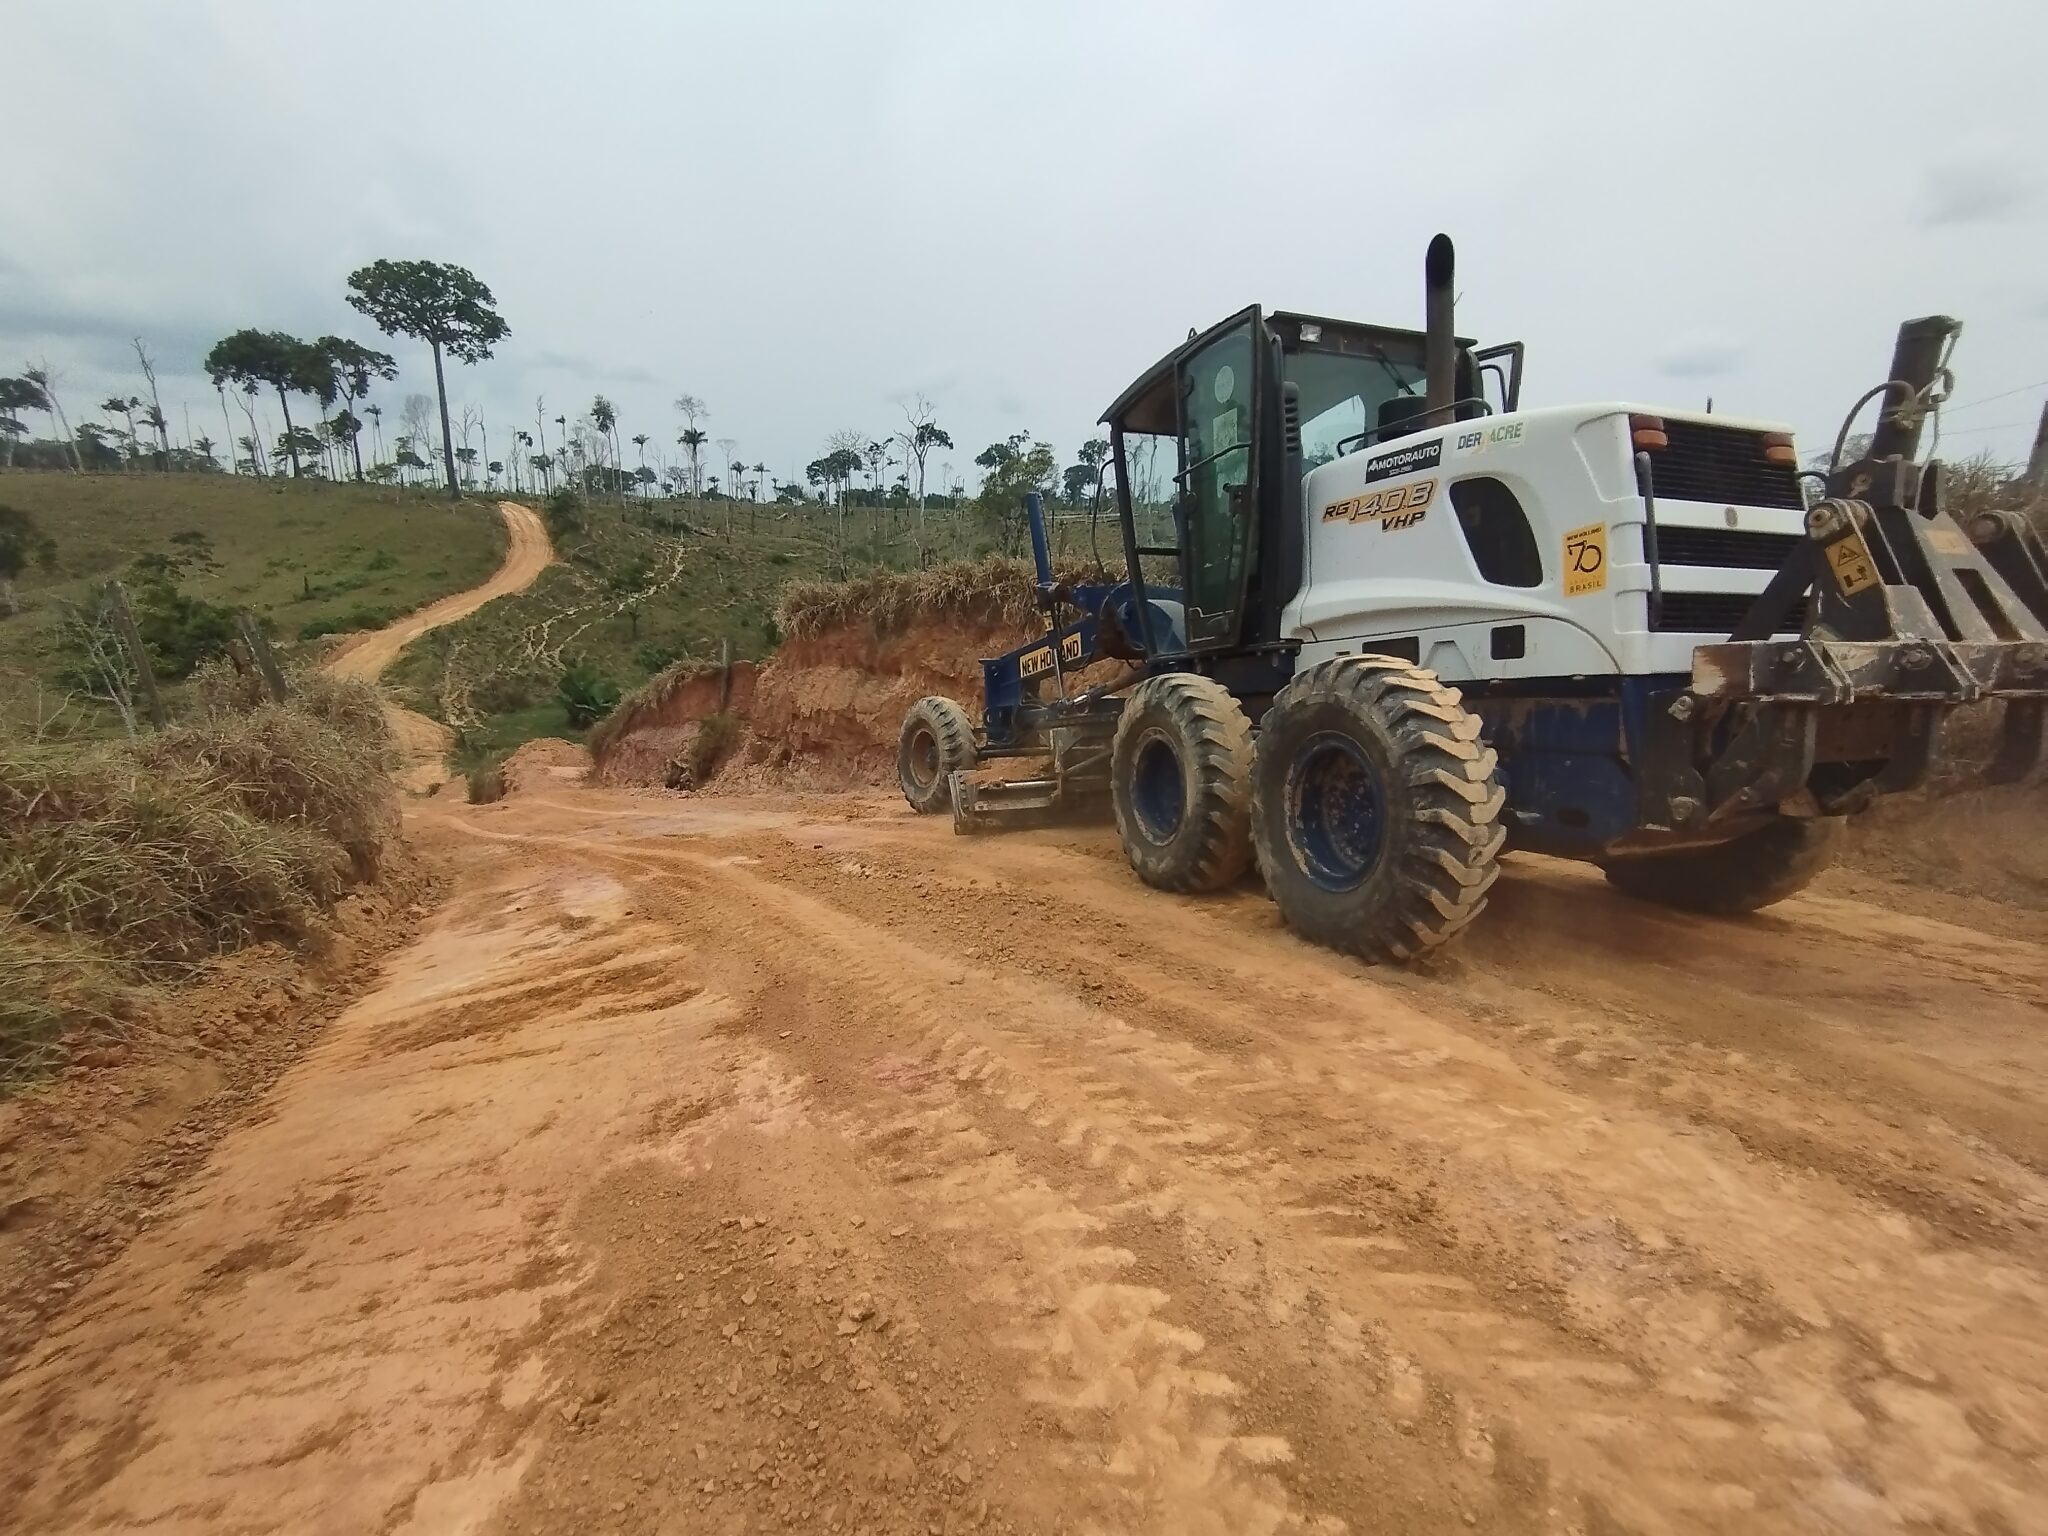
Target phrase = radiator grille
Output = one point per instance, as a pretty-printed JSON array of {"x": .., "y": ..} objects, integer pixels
[
  {"x": 1709, "y": 462},
  {"x": 1716, "y": 613},
  {"x": 1729, "y": 548}
]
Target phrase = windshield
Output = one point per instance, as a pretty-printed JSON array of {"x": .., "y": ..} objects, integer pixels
[{"x": 1341, "y": 396}]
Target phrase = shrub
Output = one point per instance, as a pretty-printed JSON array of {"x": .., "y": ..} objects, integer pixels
[
  {"x": 587, "y": 695},
  {"x": 653, "y": 657},
  {"x": 715, "y": 735},
  {"x": 503, "y": 692},
  {"x": 486, "y": 782},
  {"x": 564, "y": 513},
  {"x": 362, "y": 616}
]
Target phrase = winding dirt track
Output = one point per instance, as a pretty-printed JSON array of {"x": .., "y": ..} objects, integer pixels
[
  {"x": 792, "y": 1165},
  {"x": 424, "y": 742}
]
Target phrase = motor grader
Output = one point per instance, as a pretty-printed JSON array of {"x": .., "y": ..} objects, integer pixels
[{"x": 1387, "y": 622}]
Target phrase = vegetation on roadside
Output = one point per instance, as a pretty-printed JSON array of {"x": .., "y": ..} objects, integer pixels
[
  {"x": 194, "y": 550},
  {"x": 126, "y": 863},
  {"x": 993, "y": 590},
  {"x": 714, "y": 737},
  {"x": 485, "y": 782},
  {"x": 635, "y": 590}
]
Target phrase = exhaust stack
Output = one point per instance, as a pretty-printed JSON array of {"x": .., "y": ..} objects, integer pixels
[{"x": 1440, "y": 347}]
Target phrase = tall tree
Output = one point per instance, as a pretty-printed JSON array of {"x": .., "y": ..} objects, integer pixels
[
  {"x": 255, "y": 437},
  {"x": 220, "y": 388},
  {"x": 605, "y": 417},
  {"x": 923, "y": 435},
  {"x": 154, "y": 416},
  {"x": 693, "y": 440},
  {"x": 45, "y": 379},
  {"x": 640, "y": 441},
  {"x": 418, "y": 420},
  {"x": 285, "y": 363},
  {"x": 1017, "y": 465},
  {"x": 1084, "y": 474},
  {"x": 16, "y": 396},
  {"x": 352, "y": 368},
  {"x": 114, "y": 405},
  {"x": 443, "y": 305}
]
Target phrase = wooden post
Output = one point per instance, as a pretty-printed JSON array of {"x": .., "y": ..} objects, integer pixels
[
  {"x": 266, "y": 659},
  {"x": 725, "y": 674},
  {"x": 2037, "y": 461},
  {"x": 138, "y": 655}
]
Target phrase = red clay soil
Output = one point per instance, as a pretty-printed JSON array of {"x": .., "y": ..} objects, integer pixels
[
  {"x": 823, "y": 713},
  {"x": 85, "y": 1157}
]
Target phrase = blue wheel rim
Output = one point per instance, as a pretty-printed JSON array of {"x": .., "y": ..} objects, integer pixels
[
  {"x": 924, "y": 756},
  {"x": 1336, "y": 812},
  {"x": 1158, "y": 791}
]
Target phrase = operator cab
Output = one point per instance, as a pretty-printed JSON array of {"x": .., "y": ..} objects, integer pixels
[{"x": 1211, "y": 442}]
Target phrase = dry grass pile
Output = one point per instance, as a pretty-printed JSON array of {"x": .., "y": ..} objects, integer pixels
[
  {"x": 995, "y": 591},
  {"x": 136, "y": 859}
]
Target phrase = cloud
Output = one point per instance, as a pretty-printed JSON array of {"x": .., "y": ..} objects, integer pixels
[
  {"x": 590, "y": 368},
  {"x": 1701, "y": 359},
  {"x": 1975, "y": 190}
]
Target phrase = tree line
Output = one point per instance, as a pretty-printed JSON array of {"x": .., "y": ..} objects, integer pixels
[{"x": 455, "y": 314}]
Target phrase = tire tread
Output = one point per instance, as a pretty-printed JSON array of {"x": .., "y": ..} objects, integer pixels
[{"x": 1449, "y": 850}]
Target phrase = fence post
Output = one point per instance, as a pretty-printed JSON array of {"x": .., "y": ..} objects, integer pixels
[
  {"x": 725, "y": 674},
  {"x": 138, "y": 655},
  {"x": 266, "y": 659}
]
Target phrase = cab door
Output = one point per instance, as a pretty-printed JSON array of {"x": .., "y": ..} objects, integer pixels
[{"x": 1219, "y": 385}]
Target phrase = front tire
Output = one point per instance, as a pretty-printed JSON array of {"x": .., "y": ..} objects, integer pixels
[
  {"x": 937, "y": 741},
  {"x": 1376, "y": 813},
  {"x": 1180, "y": 769},
  {"x": 1777, "y": 860}
]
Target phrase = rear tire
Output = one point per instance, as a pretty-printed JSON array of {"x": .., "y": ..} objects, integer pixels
[
  {"x": 937, "y": 741},
  {"x": 1375, "y": 808},
  {"x": 1180, "y": 774},
  {"x": 1777, "y": 860}
]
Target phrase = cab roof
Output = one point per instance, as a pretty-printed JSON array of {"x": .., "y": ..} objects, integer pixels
[{"x": 1148, "y": 404}]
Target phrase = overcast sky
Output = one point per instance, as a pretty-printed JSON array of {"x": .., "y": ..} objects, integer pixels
[{"x": 806, "y": 213}]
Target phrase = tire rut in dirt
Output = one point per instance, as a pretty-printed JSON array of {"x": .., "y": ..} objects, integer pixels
[
  {"x": 1172, "y": 1160},
  {"x": 1707, "y": 1344}
]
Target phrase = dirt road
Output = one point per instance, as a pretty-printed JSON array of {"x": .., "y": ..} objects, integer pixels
[
  {"x": 424, "y": 742},
  {"x": 777, "y": 1164}
]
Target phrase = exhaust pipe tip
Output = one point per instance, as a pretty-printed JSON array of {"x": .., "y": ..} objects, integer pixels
[{"x": 1440, "y": 265}]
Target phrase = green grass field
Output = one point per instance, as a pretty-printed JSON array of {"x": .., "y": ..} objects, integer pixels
[{"x": 310, "y": 558}]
